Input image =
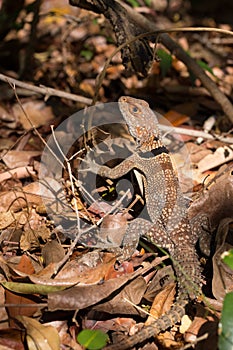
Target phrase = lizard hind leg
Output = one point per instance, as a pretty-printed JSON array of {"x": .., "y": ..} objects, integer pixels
[{"x": 136, "y": 228}]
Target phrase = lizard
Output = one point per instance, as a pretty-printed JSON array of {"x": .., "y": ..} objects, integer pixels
[{"x": 169, "y": 225}]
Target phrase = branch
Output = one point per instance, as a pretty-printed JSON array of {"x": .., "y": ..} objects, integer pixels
[
  {"x": 190, "y": 63},
  {"x": 44, "y": 90},
  {"x": 138, "y": 21}
]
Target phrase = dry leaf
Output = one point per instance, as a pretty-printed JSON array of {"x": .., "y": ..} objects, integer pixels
[
  {"x": 162, "y": 303},
  {"x": 11, "y": 339},
  {"x": 38, "y": 336},
  {"x": 18, "y": 173},
  {"x": 52, "y": 252},
  {"x": 6, "y": 219},
  {"x": 121, "y": 303},
  {"x": 176, "y": 118},
  {"x": 14, "y": 159},
  {"x": 221, "y": 156},
  {"x": 80, "y": 297},
  {"x": 25, "y": 266},
  {"x": 19, "y": 199},
  {"x": 37, "y": 111},
  {"x": 216, "y": 202},
  {"x": 113, "y": 228},
  {"x": 222, "y": 274}
]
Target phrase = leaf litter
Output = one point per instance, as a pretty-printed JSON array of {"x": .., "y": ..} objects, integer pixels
[{"x": 93, "y": 284}]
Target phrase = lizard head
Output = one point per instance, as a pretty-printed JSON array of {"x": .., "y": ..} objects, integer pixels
[{"x": 141, "y": 121}]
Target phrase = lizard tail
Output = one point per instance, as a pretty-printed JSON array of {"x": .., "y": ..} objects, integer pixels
[
  {"x": 188, "y": 272},
  {"x": 169, "y": 319}
]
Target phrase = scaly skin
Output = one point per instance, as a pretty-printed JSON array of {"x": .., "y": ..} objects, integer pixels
[{"x": 169, "y": 226}]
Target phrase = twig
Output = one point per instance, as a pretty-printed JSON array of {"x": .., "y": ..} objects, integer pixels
[
  {"x": 190, "y": 63},
  {"x": 101, "y": 75},
  {"x": 140, "y": 22},
  {"x": 44, "y": 90},
  {"x": 191, "y": 345},
  {"x": 19, "y": 173},
  {"x": 70, "y": 177},
  {"x": 195, "y": 133}
]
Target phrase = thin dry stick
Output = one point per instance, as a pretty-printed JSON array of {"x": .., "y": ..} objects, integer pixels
[
  {"x": 195, "y": 133},
  {"x": 191, "y": 345},
  {"x": 71, "y": 179},
  {"x": 30, "y": 122},
  {"x": 101, "y": 76},
  {"x": 44, "y": 90},
  {"x": 175, "y": 49},
  {"x": 190, "y": 63},
  {"x": 35, "y": 130}
]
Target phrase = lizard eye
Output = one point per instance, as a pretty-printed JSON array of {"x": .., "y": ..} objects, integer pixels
[{"x": 134, "y": 109}]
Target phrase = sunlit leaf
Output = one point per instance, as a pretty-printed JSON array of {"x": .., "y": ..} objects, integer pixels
[
  {"x": 205, "y": 66},
  {"x": 133, "y": 3},
  {"x": 30, "y": 288},
  {"x": 38, "y": 336},
  {"x": 228, "y": 258},
  {"x": 166, "y": 61},
  {"x": 92, "y": 339},
  {"x": 225, "y": 325}
]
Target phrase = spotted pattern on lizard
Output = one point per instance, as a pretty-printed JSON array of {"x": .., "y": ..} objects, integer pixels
[{"x": 169, "y": 225}]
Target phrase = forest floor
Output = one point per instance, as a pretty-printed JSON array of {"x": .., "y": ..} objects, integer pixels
[{"x": 54, "y": 282}]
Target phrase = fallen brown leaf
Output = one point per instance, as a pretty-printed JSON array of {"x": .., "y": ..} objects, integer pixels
[
  {"x": 25, "y": 266},
  {"x": 14, "y": 159},
  {"x": 37, "y": 111}
]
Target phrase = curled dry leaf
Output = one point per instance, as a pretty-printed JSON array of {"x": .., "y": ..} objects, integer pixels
[
  {"x": 222, "y": 274},
  {"x": 14, "y": 159},
  {"x": 80, "y": 297},
  {"x": 52, "y": 252},
  {"x": 205, "y": 322},
  {"x": 162, "y": 302},
  {"x": 19, "y": 173},
  {"x": 38, "y": 336},
  {"x": 221, "y": 156},
  {"x": 18, "y": 199},
  {"x": 90, "y": 269},
  {"x": 30, "y": 237},
  {"x": 113, "y": 228},
  {"x": 37, "y": 111},
  {"x": 216, "y": 202},
  {"x": 121, "y": 303},
  {"x": 11, "y": 339},
  {"x": 25, "y": 266},
  {"x": 197, "y": 152}
]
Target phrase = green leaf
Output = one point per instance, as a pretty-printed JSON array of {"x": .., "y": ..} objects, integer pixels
[
  {"x": 133, "y": 3},
  {"x": 87, "y": 54},
  {"x": 205, "y": 67},
  {"x": 228, "y": 258},
  {"x": 92, "y": 339},
  {"x": 148, "y": 3},
  {"x": 225, "y": 326},
  {"x": 166, "y": 61},
  {"x": 31, "y": 288}
]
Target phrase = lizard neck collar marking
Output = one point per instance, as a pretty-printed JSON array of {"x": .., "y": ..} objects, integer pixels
[{"x": 155, "y": 152}]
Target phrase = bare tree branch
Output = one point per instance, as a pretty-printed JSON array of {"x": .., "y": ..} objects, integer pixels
[
  {"x": 136, "y": 20},
  {"x": 44, "y": 90}
]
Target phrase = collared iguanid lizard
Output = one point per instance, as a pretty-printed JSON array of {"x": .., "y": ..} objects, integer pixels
[{"x": 169, "y": 226}]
